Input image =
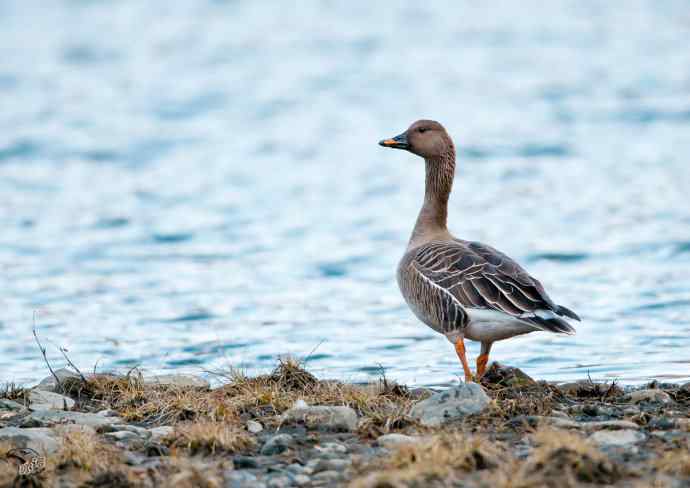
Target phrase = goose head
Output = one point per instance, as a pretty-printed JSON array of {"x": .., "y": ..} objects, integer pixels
[{"x": 425, "y": 138}]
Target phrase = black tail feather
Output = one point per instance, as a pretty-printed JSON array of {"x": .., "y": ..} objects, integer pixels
[
  {"x": 561, "y": 310},
  {"x": 556, "y": 324}
]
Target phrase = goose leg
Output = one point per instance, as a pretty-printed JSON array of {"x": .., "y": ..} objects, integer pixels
[
  {"x": 460, "y": 350},
  {"x": 483, "y": 359}
]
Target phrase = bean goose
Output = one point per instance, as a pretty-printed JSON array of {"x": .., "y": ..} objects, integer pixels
[{"x": 459, "y": 288}]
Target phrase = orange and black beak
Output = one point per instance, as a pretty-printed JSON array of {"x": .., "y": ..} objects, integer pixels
[{"x": 397, "y": 142}]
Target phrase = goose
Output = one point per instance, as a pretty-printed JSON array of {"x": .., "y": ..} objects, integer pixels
[{"x": 464, "y": 289}]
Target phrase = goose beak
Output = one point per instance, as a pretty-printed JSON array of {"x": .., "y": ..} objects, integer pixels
[{"x": 397, "y": 142}]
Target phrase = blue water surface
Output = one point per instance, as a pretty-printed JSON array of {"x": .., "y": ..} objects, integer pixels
[{"x": 193, "y": 186}]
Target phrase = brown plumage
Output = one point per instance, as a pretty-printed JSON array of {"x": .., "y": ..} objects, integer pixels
[{"x": 461, "y": 288}]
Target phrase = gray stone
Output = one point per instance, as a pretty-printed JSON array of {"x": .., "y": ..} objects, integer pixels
[
  {"x": 53, "y": 417},
  {"x": 331, "y": 465},
  {"x": 325, "y": 477},
  {"x": 617, "y": 438},
  {"x": 322, "y": 417},
  {"x": 47, "y": 400},
  {"x": 591, "y": 426},
  {"x": 140, "y": 431},
  {"x": 122, "y": 436},
  {"x": 48, "y": 383},
  {"x": 652, "y": 396},
  {"x": 301, "y": 479},
  {"x": 159, "y": 433},
  {"x": 390, "y": 441},
  {"x": 241, "y": 479},
  {"x": 254, "y": 427},
  {"x": 177, "y": 380},
  {"x": 455, "y": 403},
  {"x": 107, "y": 413},
  {"x": 278, "y": 482},
  {"x": 71, "y": 428},
  {"x": 277, "y": 444},
  {"x": 331, "y": 448},
  {"x": 11, "y": 406},
  {"x": 39, "y": 439}
]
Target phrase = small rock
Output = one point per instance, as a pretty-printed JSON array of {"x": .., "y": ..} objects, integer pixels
[
  {"x": 158, "y": 433},
  {"x": 331, "y": 448},
  {"x": 240, "y": 479},
  {"x": 140, "y": 431},
  {"x": 70, "y": 428},
  {"x": 49, "y": 384},
  {"x": 254, "y": 427},
  {"x": 52, "y": 417},
  {"x": 390, "y": 441},
  {"x": 301, "y": 479},
  {"x": 245, "y": 462},
  {"x": 662, "y": 423},
  {"x": 617, "y": 438},
  {"x": 39, "y": 439},
  {"x": 609, "y": 425},
  {"x": 278, "y": 482},
  {"x": 123, "y": 436},
  {"x": 331, "y": 465},
  {"x": 47, "y": 400},
  {"x": 560, "y": 414},
  {"x": 277, "y": 444},
  {"x": 455, "y": 403},
  {"x": 630, "y": 411},
  {"x": 107, "y": 413},
  {"x": 421, "y": 393},
  {"x": 11, "y": 406},
  {"x": 322, "y": 417},
  {"x": 178, "y": 380},
  {"x": 652, "y": 396},
  {"x": 325, "y": 477}
]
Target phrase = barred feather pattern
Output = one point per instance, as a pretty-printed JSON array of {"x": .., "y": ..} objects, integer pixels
[{"x": 441, "y": 279}]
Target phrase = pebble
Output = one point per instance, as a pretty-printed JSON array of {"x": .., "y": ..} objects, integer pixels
[
  {"x": 240, "y": 479},
  {"x": 254, "y": 427},
  {"x": 277, "y": 444},
  {"x": 50, "y": 417},
  {"x": 331, "y": 465},
  {"x": 158, "y": 433},
  {"x": 322, "y": 417},
  {"x": 617, "y": 438},
  {"x": 390, "y": 441},
  {"x": 455, "y": 403},
  {"x": 39, "y": 439},
  {"x": 122, "y": 436},
  {"x": 301, "y": 479},
  {"x": 653, "y": 396},
  {"x": 331, "y": 448},
  {"x": 179, "y": 380},
  {"x": 47, "y": 400},
  {"x": 325, "y": 477},
  {"x": 245, "y": 462},
  {"x": 107, "y": 413}
]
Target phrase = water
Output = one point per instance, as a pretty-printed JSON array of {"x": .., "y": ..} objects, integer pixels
[{"x": 190, "y": 186}]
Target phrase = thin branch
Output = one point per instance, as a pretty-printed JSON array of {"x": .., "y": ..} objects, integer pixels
[
  {"x": 69, "y": 361},
  {"x": 43, "y": 352}
]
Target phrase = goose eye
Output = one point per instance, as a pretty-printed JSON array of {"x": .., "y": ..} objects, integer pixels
[{"x": 423, "y": 130}]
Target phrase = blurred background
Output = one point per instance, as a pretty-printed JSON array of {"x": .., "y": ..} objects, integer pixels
[{"x": 191, "y": 186}]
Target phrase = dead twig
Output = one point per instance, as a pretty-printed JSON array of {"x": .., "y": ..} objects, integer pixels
[
  {"x": 45, "y": 358},
  {"x": 69, "y": 361}
]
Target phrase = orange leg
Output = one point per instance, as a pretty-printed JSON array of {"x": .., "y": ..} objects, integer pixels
[
  {"x": 460, "y": 349},
  {"x": 483, "y": 359}
]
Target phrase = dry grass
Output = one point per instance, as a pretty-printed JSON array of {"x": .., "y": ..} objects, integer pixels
[
  {"x": 440, "y": 461},
  {"x": 265, "y": 396},
  {"x": 211, "y": 438},
  {"x": 11, "y": 391},
  {"x": 563, "y": 460},
  {"x": 676, "y": 463}
]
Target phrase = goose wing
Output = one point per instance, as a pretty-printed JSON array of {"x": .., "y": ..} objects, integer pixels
[{"x": 481, "y": 277}]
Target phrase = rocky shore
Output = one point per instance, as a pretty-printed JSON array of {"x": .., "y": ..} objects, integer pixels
[{"x": 289, "y": 428}]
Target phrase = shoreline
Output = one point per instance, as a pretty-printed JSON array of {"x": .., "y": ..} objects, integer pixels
[{"x": 289, "y": 428}]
